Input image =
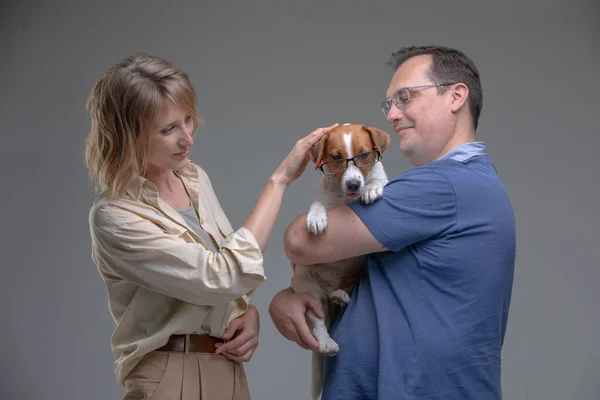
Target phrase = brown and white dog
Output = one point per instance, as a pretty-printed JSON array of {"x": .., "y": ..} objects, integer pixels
[{"x": 349, "y": 157}]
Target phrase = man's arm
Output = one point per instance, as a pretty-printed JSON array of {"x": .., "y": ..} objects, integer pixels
[
  {"x": 418, "y": 205},
  {"x": 346, "y": 236}
]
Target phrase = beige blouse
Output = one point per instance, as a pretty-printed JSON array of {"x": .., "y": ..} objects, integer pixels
[{"x": 161, "y": 278}]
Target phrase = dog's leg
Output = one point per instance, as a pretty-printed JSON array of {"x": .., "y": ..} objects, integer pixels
[
  {"x": 376, "y": 180},
  {"x": 316, "y": 220},
  {"x": 307, "y": 280},
  {"x": 327, "y": 346}
]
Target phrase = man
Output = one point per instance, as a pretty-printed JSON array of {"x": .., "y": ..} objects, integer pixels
[{"x": 428, "y": 316}]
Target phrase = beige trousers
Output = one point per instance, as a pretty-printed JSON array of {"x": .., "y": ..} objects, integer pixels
[{"x": 162, "y": 375}]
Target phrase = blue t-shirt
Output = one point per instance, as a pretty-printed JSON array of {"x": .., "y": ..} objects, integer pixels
[{"x": 427, "y": 318}]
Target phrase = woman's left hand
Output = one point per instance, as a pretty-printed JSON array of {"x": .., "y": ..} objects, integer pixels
[{"x": 241, "y": 347}]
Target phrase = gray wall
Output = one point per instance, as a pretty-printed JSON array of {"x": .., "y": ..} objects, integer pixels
[{"x": 266, "y": 74}]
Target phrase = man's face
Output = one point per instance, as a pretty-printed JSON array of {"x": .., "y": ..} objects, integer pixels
[{"x": 425, "y": 124}]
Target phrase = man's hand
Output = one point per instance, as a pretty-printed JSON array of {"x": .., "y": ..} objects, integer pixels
[
  {"x": 242, "y": 347},
  {"x": 288, "y": 312}
]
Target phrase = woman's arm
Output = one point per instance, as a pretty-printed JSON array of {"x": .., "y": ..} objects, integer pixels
[
  {"x": 262, "y": 218},
  {"x": 128, "y": 246}
]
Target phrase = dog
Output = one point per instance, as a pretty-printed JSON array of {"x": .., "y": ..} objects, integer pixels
[{"x": 349, "y": 156}]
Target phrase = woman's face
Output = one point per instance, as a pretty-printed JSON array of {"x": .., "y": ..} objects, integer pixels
[{"x": 169, "y": 139}]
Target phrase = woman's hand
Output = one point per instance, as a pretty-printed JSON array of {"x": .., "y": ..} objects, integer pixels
[
  {"x": 294, "y": 164},
  {"x": 241, "y": 347}
]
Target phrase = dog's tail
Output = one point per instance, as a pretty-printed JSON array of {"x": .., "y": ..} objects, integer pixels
[{"x": 317, "y": 375}]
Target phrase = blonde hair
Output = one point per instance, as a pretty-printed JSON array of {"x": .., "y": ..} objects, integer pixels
[{"x": 121, "y": 105}]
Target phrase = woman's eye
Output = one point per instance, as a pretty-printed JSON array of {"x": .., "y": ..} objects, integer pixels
[{"x": 168, "y": 130}]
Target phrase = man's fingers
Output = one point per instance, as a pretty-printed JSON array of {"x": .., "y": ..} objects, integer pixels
[
  {"x": 291, "y": 331},
  {"x": 314, "y": 304},
  {"x": 305, "y": 335},
  {"x": 287, "y": 330},
  {"x": 300, "y": 343}
]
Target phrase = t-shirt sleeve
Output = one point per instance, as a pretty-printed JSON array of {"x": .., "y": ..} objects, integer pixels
[{"x": 418, "y": 205}]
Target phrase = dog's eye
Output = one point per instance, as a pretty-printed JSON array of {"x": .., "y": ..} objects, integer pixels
[
  {"x": 364, "y": 156},
  {"x": 336, "y": 157}
]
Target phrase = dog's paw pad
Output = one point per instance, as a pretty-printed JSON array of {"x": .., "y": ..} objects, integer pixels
[
  {"x": 316, "y": 220},
  {"x": 371, "y": 194},
  {"x": 340, "y": 297},
  {"x": 329, "y": 348}
]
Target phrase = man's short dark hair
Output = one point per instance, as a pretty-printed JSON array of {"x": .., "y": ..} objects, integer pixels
[{"x": 448, "y": 65}]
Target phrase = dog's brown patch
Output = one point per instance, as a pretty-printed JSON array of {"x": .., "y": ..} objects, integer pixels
[{"x": 364, "y": 139}]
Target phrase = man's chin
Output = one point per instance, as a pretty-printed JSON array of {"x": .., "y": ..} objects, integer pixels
[
  {"x": 406, "y": 150},
  {"x": 411, "y": 154}
]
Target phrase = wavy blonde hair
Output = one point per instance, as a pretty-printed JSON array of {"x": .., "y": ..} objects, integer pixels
[{"x": 124, "y": 102}]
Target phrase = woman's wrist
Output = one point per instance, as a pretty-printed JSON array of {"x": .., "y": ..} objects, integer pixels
[{"x": 278, "y": 180}]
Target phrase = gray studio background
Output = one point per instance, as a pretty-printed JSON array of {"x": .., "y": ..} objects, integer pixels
[{"x": 266, "y": 74}]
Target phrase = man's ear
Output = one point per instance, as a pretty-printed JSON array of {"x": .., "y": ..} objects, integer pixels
[
  {"x": 460, "y": 94},
  {"x": 316, "y": 152},
  {"x": 380, "y": 139}
]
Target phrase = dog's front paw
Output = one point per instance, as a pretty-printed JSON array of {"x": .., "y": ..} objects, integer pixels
[
  {"x": 372, "y": 192},
  {"x": 316, "y": 220}
]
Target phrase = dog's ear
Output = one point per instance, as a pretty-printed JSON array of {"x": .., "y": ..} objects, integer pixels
[
  {"x": 316, "y": 152},
  {"x": 380, "y": 138}
]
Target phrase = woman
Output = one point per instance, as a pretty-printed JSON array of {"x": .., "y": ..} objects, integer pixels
[{"x": 179, "y": 278}]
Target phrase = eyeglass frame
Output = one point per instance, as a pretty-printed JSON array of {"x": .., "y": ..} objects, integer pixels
[
  {"x": 388, "y": 102},
  {"x": 321, "y": 163}
]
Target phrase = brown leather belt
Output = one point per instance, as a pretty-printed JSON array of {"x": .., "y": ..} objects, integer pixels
[{"x": 193, "y": 344}]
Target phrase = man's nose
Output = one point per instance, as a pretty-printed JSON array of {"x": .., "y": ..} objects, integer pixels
[{"x": 394, "y": 114}]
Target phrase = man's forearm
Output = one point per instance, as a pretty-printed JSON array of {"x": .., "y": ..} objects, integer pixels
[{"x": 346, "y": 236}]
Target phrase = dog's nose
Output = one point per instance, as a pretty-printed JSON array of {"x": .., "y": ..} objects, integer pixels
[{"x": 353, "y": 185}]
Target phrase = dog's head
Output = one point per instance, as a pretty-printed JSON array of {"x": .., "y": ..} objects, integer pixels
[{"x": 348, "y": 152}]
